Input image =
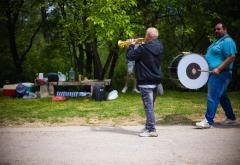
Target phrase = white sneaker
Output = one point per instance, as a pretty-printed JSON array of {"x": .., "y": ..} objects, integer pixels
[
  {"x": 203, "y": 124},
  {"x": 229, "y": 122},
  {"x": 148, "y": 134},
  {"x": 135, "y": 90},
  {"x": 124, "y": 90}
]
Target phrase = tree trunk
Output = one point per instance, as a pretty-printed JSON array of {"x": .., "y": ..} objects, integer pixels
[
  {"x": 113, "y": 64},
  {"x": 80, "y": 60},
  {"x": 45, "y": 24},
  {"x": 89, "y": 60},
  {"x": 74, "y": 53},
  {"x": 108, "y": 62},
  {"x": 12, "y": 17},
  {"x": 97, "y": 62}
]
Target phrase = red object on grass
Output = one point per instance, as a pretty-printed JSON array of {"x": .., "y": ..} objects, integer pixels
[
  {"x": 9, "y": 89},
  {"x": 58, "y": 98},
  {"x": 9, "y": 92}
]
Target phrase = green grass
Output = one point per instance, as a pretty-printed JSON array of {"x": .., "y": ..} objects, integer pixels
[{"x": 171, "y": 108}]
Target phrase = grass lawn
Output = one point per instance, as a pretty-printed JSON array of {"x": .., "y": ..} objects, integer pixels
[{"x": 173, "y": 107}]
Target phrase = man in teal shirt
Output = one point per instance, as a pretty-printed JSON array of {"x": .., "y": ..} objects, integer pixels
[{"x": 220, "y": 57}]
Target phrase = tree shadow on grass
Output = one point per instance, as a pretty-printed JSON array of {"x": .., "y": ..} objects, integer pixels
[
  {"x": 223, "y": 125},
  {"x": 177, "y": 119}
]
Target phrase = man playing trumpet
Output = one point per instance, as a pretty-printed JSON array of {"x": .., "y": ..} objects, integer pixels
[{"x": 147, "y": 57}]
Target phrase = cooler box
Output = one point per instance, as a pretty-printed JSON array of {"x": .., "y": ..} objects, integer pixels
[
  {"x": 9, "y": 90},
  {"x": 30, "y": 87}
]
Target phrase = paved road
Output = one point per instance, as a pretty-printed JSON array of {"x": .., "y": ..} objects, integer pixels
[{"x": 95, "y": 145}]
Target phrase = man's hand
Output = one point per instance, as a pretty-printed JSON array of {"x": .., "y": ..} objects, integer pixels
[
  {"x": 224, "y": 65},
  {"x": 216, "y": 71},
  {"x": 132, "y": 41}
]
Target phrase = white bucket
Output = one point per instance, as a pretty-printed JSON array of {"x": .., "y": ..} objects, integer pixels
[{"x": 40, "y": 76}]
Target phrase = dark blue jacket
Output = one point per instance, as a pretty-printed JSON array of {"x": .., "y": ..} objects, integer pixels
[{"x": 147, "y": 59}]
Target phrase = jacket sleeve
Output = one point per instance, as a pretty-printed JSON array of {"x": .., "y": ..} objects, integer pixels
[{"x": 134, "y": 54}]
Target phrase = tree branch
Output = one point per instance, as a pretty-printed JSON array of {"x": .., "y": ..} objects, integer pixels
[{"x": 31, "y": 42}]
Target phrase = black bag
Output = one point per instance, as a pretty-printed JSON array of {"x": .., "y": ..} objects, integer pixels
[
  {"x": 98, "y": 93},
  {"x": 53, "y": 77}
]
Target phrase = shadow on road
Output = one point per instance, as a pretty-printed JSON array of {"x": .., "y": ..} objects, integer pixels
[
  {"x": 222, "y": 125},
  {"x": 117, "y": 130}
]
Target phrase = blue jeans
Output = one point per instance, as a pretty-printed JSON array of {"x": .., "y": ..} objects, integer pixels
[
  {"x": 148, "y": 98},
  {"x": 217, "y": 93}
]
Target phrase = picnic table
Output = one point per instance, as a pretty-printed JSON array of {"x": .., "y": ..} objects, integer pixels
[{"x": 90, "y": 82}]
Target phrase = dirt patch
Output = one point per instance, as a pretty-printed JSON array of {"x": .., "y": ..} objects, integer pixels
[
  {"x": 132, "y": 120},
  {"x": 76, "y": 121}
]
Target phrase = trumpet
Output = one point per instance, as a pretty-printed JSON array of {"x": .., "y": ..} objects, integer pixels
[{"x": 123, "y": 44}]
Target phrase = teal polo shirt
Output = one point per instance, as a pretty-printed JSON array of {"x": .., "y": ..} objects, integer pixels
[{"x": 219, "y": 50}]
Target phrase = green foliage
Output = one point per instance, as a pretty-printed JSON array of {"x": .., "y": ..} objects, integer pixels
[
  {"x": 185, "y": 25},
  {"x": 110, "y": 19}
]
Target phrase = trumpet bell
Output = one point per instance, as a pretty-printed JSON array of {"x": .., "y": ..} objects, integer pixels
[{"x": 122, "y": 44}]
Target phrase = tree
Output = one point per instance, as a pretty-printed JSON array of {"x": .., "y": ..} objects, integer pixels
[
  {"x": 16, "y": 23},
  {"x": 84, "y": 33},
  {"x": 89, "y": 25}
]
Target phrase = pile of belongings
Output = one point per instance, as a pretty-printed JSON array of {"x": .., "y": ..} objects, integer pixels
[{"x": 23, "y": 92}]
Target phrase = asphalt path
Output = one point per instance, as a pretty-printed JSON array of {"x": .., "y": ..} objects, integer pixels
[{"x": 120, "y": 145}]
